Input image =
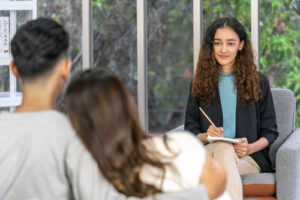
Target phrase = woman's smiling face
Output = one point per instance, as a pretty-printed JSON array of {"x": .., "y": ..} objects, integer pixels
[{"x": 226, "y": 46}]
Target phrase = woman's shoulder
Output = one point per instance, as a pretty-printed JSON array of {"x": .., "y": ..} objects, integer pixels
[
  {"x": 180, "y": 142},
  {"x": 262, "y": 78},
  {"x": 264, "y": 82}
]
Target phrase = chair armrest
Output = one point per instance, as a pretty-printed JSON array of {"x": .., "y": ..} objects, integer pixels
[{"x": 287, "y": 168}]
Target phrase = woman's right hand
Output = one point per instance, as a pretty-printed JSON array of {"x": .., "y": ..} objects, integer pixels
[
  {"x": 214, "y": 131},
  {"x": 214, "y": 177}
]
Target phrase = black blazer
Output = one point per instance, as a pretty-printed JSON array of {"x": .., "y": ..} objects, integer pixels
[{"x": 253, "y": 121}]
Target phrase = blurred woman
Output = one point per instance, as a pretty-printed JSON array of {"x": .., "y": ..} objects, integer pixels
[{"x": 104, "y": 116}]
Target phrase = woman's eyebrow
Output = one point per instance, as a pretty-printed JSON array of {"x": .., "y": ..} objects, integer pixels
[{"x": 226, "y": 40}]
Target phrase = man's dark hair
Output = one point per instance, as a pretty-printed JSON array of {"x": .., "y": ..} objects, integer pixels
[{"x": 37, "y": 47}]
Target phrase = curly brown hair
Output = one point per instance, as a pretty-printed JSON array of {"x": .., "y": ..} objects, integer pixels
[{"x": 247, "y": 80}]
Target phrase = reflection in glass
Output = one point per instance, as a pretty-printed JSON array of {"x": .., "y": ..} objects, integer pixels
[
  {"x": 114, "y": 35},
  {"x": 170, "y": 62}
]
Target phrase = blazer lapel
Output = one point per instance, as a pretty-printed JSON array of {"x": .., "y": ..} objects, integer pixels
[{"x": 217, "y": 111}]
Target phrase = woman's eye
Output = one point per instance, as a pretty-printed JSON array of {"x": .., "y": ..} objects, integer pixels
[
  {"x": 230, "y": 44},
  {"x": 217, "y": 43}
]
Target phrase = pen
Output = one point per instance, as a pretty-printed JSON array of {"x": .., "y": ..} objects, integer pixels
[{"x": 207, "y": 117}]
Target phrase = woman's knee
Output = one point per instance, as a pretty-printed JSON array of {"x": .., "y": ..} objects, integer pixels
[{"x": 222, "y": 148}]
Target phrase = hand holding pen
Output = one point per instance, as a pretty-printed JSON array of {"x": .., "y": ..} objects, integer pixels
[{"x": 212, "y": 130}]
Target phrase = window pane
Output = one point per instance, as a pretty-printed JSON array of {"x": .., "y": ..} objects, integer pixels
[
  {"x": 114, "y": 35},
  {"x": 215, "y": 9},
  {"x": 4, "y": 81},
  {"x": 23, "y": 16},
  {"x": 279, "y": 45},
  {"x": 170, "y": 62},
  {"x": 68, "y": 13}
]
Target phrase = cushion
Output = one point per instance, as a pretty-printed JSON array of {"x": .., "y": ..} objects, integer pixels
[
  {"x": 262, "y": 184},
  {"x": 259, "y": 198}
]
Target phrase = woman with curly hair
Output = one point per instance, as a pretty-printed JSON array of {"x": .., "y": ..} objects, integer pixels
[{"x": 236, "y": 98}]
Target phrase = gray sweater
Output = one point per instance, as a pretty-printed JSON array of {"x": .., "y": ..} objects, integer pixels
[{"x": 41, "y": 158}]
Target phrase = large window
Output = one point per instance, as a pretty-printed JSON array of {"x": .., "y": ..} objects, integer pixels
[
  {"x": 114, "y": 39},
  {"x": 170, "y": 62},
  {"x": 279, "y": 45}
]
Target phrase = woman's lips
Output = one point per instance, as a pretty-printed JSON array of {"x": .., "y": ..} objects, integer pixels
[{"x": 223, "y": 57}]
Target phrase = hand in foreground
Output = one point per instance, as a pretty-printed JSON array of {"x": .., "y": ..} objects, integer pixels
[
  {"x": 242, "y": 149},
  {"x": 213, "y": 177},
  {"x": 214, "y": 131}
]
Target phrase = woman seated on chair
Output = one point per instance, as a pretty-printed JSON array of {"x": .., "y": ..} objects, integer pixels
[
  {"x": 236, "y": 98},
  {"x": 104, "y": 116}
]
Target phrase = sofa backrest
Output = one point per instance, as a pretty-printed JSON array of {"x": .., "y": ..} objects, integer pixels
[{"x": 285, "y": 108}]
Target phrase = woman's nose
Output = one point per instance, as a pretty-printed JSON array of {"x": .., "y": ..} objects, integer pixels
[{"x": 223, "y": 48}]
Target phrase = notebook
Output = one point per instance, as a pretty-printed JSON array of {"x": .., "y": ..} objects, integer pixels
[{"x": 215, "y": 139}]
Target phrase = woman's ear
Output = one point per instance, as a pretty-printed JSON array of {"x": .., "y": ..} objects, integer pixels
[
  {"x": 241, "y": 46},
  {"x": 14, "y": 69}
]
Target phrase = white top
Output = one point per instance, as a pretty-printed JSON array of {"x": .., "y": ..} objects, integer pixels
[{"x": 188, "y": 163}]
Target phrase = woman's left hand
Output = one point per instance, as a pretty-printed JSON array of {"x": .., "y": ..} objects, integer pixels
[{"x": 242, "y": 150}]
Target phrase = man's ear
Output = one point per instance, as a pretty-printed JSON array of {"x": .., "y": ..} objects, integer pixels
[
  {"x": 241, "y": 46},
  {"x": 14, "y": 69},
  {"x": 65, "y": 69}
]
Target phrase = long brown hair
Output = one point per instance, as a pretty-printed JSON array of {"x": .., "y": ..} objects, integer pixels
[
  {"x": 104, "y": 116},
  {"x": 247, "y": 81}
]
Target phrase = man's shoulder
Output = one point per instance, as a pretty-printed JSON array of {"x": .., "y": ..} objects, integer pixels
[
  {"x": 58, "y": 124},
  {"x": 49, "y": 122}
]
